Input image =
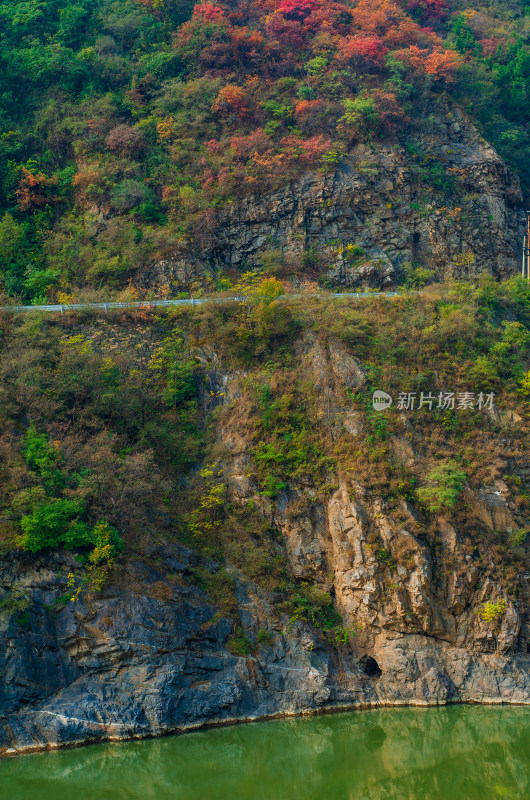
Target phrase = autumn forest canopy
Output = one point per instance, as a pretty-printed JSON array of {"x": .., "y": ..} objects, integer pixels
[{"x": 127, "y": 124}]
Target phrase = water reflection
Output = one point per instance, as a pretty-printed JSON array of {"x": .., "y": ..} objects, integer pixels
[{"x": 464, "y": 752}]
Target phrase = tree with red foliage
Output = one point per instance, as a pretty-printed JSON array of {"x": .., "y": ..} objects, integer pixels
[
  {"x": 289, "y": 34},
  {"x": 310, "y": 24},
  {"x": 362, "y": 51},
  {"x": 202, "y": 41},
  {"x": 209, "y": 42},
  {"x": 213, "y": 146},
  {"x": 297, "y": 10},
  {"x": 243, "y": 147},
  {"x": 427, "y": 12},
  {"x": 208, "y": 12},
  {"x": 310, "y": 115},
  {"x": 490, "y": 46}
]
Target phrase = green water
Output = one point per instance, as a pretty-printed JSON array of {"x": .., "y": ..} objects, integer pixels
[{"x": 454, "y": 753}]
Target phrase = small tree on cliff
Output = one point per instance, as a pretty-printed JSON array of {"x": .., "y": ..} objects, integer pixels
[{"x": 447, "y": 481}]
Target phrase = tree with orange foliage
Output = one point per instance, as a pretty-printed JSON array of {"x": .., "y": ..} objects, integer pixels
[
  {"x": 308, "y": 150},
  {"x": 232, "y": 99},
  {"x": 362, "y": 51},
  {"x": 34, "y": 191},
  {"x": 306, "y": 108},
  {"x": 440, "y": 64},
  {"x": 389, "y": 21}
]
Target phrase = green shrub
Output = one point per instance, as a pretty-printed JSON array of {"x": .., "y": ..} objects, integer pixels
[
  {"x": 130, "y": 194},
  {"x": 240, "y": 644},
  {"x": 517, "y": 537},
  {"x": 491, "y": 611},
  {"x": 17, "y": 603},
  {"x": 44, "y": 459},
  {"x": 484, "y": 372},
  {"x": 448, "y": 482},
  {"x": 416, "y": 277},
  {"x": 272, "y": 486},
  {"x": 265, "y": 638},
  {"x": 361, "y": 114},
  {"x": 53, "y": 523},
  {"x": 311, "y": 604},
  {"x": 48, "y": 518}
]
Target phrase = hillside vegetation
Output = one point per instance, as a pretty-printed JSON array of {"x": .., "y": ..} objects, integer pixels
[
  {"x": 105, "y": 419},
  {"x": 125, "y": 126}
]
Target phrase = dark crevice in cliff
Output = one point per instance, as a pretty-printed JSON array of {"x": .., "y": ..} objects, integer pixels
[{"x": 370, "y": 667}]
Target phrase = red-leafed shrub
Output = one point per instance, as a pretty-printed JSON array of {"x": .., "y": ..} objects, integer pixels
[
  {"x": 244, "y": 146},
  {"x": 362, "y": 50},
  {"x": 288, "y": 33},
  {"x": 297, "y": 10},
  {"x": 213, "y": 146},
  {"x": 311, "y": 116},
  {"x": 427, "y": 11},
  {"x": 209, "y": 12},
  {"x": 391, "y": 114},
  {"x": 489, "y": 46},
  {"x": 308, "y": 150}
]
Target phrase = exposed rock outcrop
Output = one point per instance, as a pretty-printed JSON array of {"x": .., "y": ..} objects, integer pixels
[
  {"x": 149, "y": 657},
  {"x": 447, "y": 202}
]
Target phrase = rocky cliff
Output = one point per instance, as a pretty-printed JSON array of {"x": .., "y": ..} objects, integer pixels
[
  {"x": 445, "y": 201},
  {"x": 153, "y": 652},
  {"x": 152, "y": 659}
]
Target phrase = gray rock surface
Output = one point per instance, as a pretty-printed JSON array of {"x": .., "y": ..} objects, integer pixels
[
  {"x": 386, "y": 200},
  {"x": 149, "y": 656}
]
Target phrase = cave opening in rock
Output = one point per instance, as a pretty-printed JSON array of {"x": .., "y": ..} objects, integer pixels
[{"x": 370, "y": 667}]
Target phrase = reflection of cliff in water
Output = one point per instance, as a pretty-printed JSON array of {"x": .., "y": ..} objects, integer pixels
[{"x": 396, "y": 754}]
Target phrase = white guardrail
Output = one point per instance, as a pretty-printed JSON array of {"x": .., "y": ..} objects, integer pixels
[{"x": 183, "y": 301}]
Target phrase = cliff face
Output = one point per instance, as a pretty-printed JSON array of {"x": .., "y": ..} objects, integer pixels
[
  {"x": 149, "y": 657},
  {"x": 152, "y": 654},
  {"x": 446, "y": 202}
]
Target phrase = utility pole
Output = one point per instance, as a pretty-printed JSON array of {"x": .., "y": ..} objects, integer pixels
[{"x": 525, "y": 268}]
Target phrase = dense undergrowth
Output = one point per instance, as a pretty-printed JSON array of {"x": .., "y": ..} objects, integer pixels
[
  {"x": 114, "y": 428},
  {"x": 125, "y": 126}
]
